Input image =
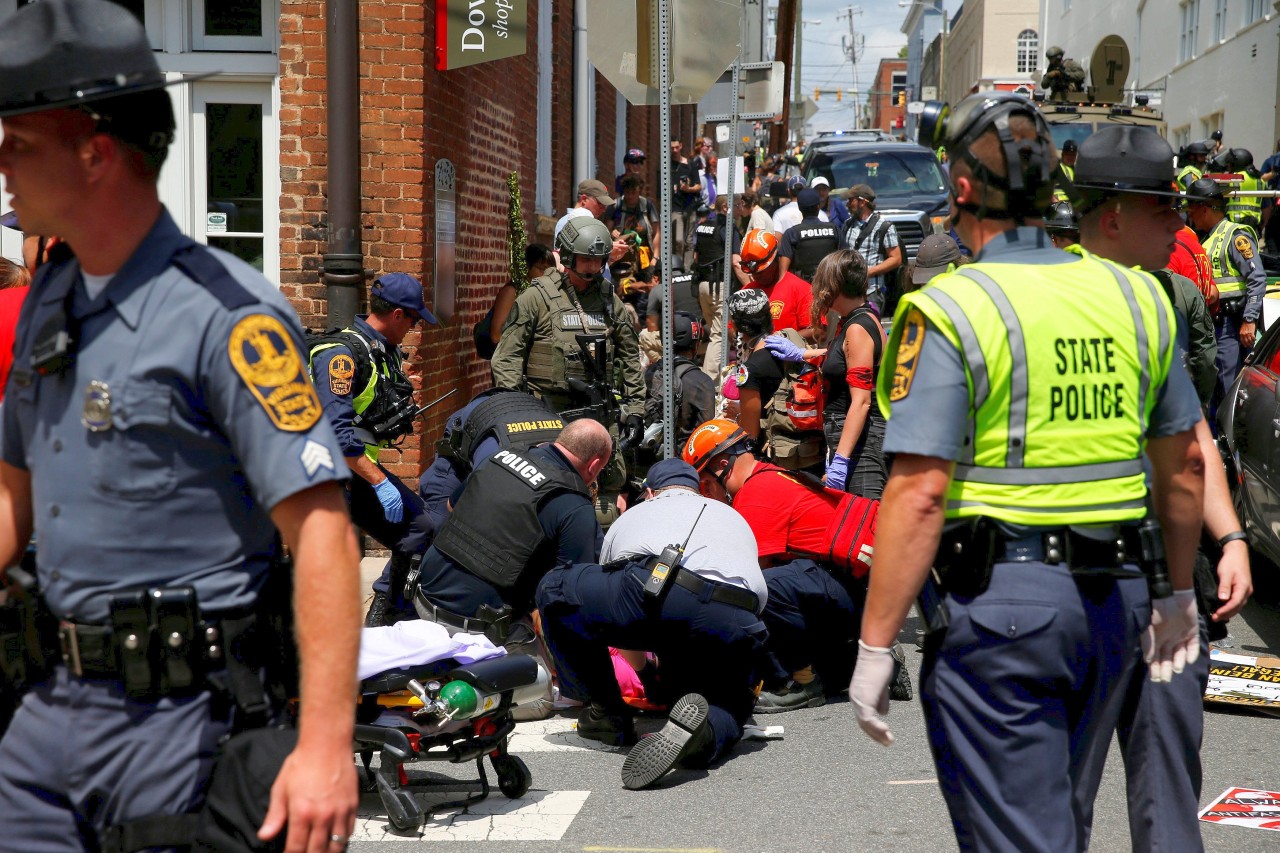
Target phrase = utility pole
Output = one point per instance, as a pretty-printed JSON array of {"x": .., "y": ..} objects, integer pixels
[
  {"x": 782, "y": 52},
  {"x": 798, "y": 99},
  {"x": 852, "y": 45}
]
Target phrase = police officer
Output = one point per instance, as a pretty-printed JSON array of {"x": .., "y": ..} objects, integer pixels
[
  {"x": 540, "y": 351},
  {"x": 359, "y": 375},
  {"x": 697, "y": 608},
  {"x": 1191, "y": 164},
  {"x": 804, "y": 246},
  {"x": 1244, "y": 209},
  {"x": 1238, "y": 272},
  {"x": 708, "y": 267},
  {"x": 517, "y": 515},
  {"x": 1001, "y": 370},
  {"x": 159, "y": 428},
  {"x": 1061, "y": 225},
  {"x": 695, "y": 397},
  {"x": 1068, "y": 164}
]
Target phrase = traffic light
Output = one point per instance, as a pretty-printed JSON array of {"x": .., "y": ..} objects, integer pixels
[
  {"x": 902, "y": 97},
  {"x": 839, "y": 95},
  {"x": 817, "y": 93}
]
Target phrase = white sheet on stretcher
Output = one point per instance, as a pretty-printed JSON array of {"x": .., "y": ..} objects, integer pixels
[{"x": 415, "y": 642}]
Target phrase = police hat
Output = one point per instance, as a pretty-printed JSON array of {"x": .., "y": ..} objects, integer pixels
[
  {"x": 1206, "y": 191},
  {"x": 61, "y": 53},
  {"x": 1126, "y": 159},
  {"x": 403, "y": 291},
  {"x": 808, "y": 198},
  {"x": 671, "y": 472}
]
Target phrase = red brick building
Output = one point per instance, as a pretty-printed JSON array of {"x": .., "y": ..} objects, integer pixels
[{"x": 889, "y": 88}]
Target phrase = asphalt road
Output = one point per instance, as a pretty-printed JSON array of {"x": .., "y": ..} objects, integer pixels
[{"x": 823, "y": 786}]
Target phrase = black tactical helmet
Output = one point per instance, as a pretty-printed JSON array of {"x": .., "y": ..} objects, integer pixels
[
  {"x": 1196, "y": 149},
  {"x": 1240, "y": 159},
  {"x": 749, "y": 310},
  {"x": 584, "y": 235},
  {"x": 1206, "y": 191},
  {"x": 687, "y": 331},
  {"x": 1059, "y": 218}
]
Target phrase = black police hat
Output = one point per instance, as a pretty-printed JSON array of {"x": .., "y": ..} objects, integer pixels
[
  {"x": 61, "y": 53},
  {"x": 1206, "y": 191},
  {"x": 1126, "y": 159}
]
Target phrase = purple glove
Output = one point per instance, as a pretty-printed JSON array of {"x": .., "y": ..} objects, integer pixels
[
  {"x": 837, "y": 472},
  {"x": 781, "y": 348}
]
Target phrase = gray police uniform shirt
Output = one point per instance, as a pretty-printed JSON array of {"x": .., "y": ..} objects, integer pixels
[
  {"x": 1244, "y": 257},
  {"x": 187, "y": 416},
  {"x": 722, "y": 547},
  {"x": 933, "y": 419}
]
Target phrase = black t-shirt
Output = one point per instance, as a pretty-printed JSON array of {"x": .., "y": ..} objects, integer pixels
[
  {"x": 688, "y": 174},
  {"x": 684, "y": 288},
  {"x": 763, "y": 373}
]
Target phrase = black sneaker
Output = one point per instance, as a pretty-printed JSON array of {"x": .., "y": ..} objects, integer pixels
[
  {"x": 791, "y": 697},
  {"x": 686, "y": 735},
  {"x": 595, "y": 723},
  {"x": 900, "y": 688},
  {"x": 377, "y": 615}
]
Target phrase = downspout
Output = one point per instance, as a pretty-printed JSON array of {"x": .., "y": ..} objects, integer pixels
[
  {"x": 343, "y": 264},
  {"x": 584, "y": 136}
]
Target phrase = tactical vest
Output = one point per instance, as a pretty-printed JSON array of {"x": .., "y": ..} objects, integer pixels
[
  {"x": 1188, "y": 175},
  {"x": 494, "y": 529},
  {"x": 1218, "y": 247},
  {"x": 379, "y": 376},
  {"x": 1061, "y": 389},
  {"x": 709, "y": 245},
  {"x": 518, "y": 422},
  {"x": 811, "y": 241},
  {"x": 1246, "y": 210},
  {"x": 555, "y": 359}
]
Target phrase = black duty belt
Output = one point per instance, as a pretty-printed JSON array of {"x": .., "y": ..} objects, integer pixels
[
  {"x": 725, "y": 593},
  {"x": 100, "y": 651},
  {"x": 1103, "y": 548},
  {"x": 494, "y": 624}
]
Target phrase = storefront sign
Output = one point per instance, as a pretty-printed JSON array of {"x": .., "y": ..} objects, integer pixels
[{"x": 469, "y": 32}]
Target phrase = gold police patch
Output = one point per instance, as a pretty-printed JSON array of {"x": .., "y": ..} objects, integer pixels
[
  {"x": 342, "y": 370},
  {"x": 909, "y": 345},
  {"x": 263, "y": 353},
  {"x": 1244, "y": 247}
]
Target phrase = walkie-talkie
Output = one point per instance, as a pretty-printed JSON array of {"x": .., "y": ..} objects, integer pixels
[{"x": 656, "y": 584}]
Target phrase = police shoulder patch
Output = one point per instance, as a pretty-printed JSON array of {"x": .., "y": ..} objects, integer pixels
[
  {"x": 908, "y": 356},
  {"x": 1244, "y": 247},
  {"x": 263, "y": 354},
  {"x": 342, "y": 371}
]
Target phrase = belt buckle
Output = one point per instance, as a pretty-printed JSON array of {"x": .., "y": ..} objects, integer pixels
[{"x": 70, "y": 643}]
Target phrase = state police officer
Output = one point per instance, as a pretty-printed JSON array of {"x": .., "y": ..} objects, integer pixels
[
  {"x": 708, "y": 267},
  {"x": 1025, "y": 388},
  {"x": 359, "y": 375},
  {"x": 804, "y": 246},
  {"x": 159, "y": 427}
]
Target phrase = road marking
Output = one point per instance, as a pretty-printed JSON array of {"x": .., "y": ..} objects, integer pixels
[
  {"x": 556, "y": 734},
  {"x": 537, "y": 816},
  {"x": 913, "y": 782}
]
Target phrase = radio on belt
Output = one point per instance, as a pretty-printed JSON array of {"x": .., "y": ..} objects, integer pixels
[{"x": 660, "y": 576}]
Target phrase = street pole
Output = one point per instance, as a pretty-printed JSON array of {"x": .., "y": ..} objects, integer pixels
[
  {"x": 668, "y": 307},
  {"x": 852, "y": 49},
  {"x": 798, "y": 120},
  {"x": 786, "y": 26},
  {"x": 727, "y": 285}
]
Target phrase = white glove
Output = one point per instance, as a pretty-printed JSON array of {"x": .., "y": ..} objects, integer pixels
[
  {"x": 869, "y": 691},
  {"x": 1173, "y": 640}
]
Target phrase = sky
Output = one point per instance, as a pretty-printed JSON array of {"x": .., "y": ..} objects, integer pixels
[{"x": 824, "y": 64}]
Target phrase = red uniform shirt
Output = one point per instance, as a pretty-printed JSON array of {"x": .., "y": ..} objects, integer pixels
[
  {"x": 790, "y": 299},
  {"x": 1190, "y": 259},
  {"x": 785, "y": 515},
  {"x": 10, "y": 306}
]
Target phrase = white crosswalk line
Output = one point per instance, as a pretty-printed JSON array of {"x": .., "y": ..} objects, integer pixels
[{"x": 537, "y": 816}]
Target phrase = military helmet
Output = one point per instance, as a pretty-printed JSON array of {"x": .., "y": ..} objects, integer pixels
[
  {"x": 1196, "y": 149},
  {"x": 1053, "y": 52},
  {"x": 750, "y": 312},
  {"x": 1206, "y": 191},
  {"x": 1060, "y": 218},
  {"x": 1240, "y": 159},
  {"x": 584, "y": 235}
]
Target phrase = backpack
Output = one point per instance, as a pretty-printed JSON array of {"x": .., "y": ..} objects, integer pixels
[
  {"x": 793, "y": 419},
  {"x": 852, "y": 529}
]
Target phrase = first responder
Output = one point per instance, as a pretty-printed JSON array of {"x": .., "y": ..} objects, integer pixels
[
  {"x": 815, "y": 546},
  {"x": 567, "y": 341},
  {"x": 1191, "y": 164},
  {"x": 804, "y": 245},
  {"x": 159, "y": 428},
  {"x": 1061, "y": 225},
  {"x": 1124, "y": 178},
  {"x": 1245, "y": 210},
  {"x": 697, "y": 607},
  {"x": 518, "y": 515},
  {"x": 1237, "y": 271},
  {"x": 359, "y": 374},
  {"x": 708, "y": 268},
  {"x": 1024, "y": 389}
]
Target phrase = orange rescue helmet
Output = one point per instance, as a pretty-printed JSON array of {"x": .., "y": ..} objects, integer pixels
[
  {"x": 759, "y": 250},
  {"x": 711, "y": 439}
]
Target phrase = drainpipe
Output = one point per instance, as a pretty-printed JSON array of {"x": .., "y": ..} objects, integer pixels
[
  {"x": 344, "y": 262},
  {"x": 584, "y": 135}
]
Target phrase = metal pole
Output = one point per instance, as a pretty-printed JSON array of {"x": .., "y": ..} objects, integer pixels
[
  {"x": 798, "y": 120},
  {"x": 727, "y": 288},
  {"x": 668, "y": 309},
  {"x": 343, "y": 264}
]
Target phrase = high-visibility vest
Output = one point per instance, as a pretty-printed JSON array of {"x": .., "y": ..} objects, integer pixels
[
  {"x": 1059, "y": 194},
  {"x": 1188, "y": 175},
  {"x": 1063, "y": 363},
  {"x": 1246, "y": 210},
  {"x": 1217, "y": 247}
]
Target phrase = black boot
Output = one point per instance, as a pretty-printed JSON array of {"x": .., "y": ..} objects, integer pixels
[
  {"x": 596, "y": 723},
  {"x": 377, "y": 615}
]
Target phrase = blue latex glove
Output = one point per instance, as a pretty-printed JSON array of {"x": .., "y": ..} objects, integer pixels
[
  {"x": 780, "y": 347},
  {"x": 837, "y": 472},
  {"x": 389, "y": 497}
]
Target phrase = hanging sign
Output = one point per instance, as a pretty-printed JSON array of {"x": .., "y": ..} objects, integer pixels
[{"x": 469, "y": 32}]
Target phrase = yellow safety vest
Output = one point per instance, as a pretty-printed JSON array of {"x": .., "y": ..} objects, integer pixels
[
  {"x": 1063, "y": 365},
  {"x": 1058, "y": 194},
  {"x": 1246, "y": 210},
  {"x": 1217, "y": 247},
  {"x": 1188, "y": 175}
]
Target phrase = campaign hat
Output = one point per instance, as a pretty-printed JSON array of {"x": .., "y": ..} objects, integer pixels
[
  {"x": 1126, "y": 159},
  {"x": 63, "y": 53}
]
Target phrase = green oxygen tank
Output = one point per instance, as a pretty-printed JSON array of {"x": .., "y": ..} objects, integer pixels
[{"x": 465, "y": 702}]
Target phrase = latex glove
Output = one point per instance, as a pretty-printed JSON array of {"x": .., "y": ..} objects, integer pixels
[
  {"x": 1173, "y": 640},
  {"x": 389, "y": 497},
  {"x": 632, "y": 432},
  {"x": 837, "y": 472},
  {"x": 781, "y": 348},
  {"x": 869, "y": 691}
]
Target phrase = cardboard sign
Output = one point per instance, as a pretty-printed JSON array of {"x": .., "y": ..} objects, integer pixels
[
  {"x": 1245, "y": 807},
  {"x": 1242, "y": 680}
]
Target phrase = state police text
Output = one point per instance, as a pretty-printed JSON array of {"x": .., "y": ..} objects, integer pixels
[{"x": 1086, "y": 394}]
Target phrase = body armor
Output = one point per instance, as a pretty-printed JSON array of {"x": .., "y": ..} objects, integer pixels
[
  {"x": 709, "y": 246},
  {"x": 556, "y": 359},
  {"x": 382, "y": 391},
  {"x": 518, "y": 422},
  {"x": 811, "y": 241}
]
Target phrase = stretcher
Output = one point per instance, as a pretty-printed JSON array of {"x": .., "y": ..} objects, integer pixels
[{"x": 444, "y": 711}]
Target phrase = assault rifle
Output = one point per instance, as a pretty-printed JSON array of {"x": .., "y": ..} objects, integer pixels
[
  {"x": 597, "y": 388},
  {"x": 397, "y": 422}
]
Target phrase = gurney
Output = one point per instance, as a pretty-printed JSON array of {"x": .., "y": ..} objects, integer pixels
[{"x": 443, "y": 710}]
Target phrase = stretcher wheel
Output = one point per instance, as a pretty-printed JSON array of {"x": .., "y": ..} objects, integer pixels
[{"x": 514, "y": 777}]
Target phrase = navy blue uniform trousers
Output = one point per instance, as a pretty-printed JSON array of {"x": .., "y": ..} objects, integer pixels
[
  {"x": 813, "y": 620},
  {"x": 703, "y": 646},
  {"x": 403, "y": 536},
  {"x": 1021, "y": 695}
]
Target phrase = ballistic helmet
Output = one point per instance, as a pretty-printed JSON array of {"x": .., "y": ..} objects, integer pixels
[
  {"x": 1196, "y": 149},
  {"x": 1240, "y": 159},
  {"x": 1060, "y": 219},
  {"x": 1053, "y": 52},
  {"x": 713, "y": 438},
  {"x": 584, "y": 235}
]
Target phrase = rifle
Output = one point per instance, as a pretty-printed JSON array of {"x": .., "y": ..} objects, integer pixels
[
  {"x": 395, "y": 423},
  {"x": 602, "y": 404}
]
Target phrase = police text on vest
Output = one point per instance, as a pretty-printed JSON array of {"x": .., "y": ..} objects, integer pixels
[
  {"x": 1084, "y": 397},
  {"x": 525, "y": 469}
]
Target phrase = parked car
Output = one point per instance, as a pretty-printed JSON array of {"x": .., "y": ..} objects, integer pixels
[{"x": 1249, "y": 439}]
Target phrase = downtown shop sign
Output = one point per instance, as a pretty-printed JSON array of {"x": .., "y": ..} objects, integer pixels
[{"x": 469, "y": 32}]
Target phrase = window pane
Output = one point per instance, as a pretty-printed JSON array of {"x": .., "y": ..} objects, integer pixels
[
  {"x": 234, "y": 137},
  {"x": 233, "y": 17},
  {"x": 247, "y": 249}
]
